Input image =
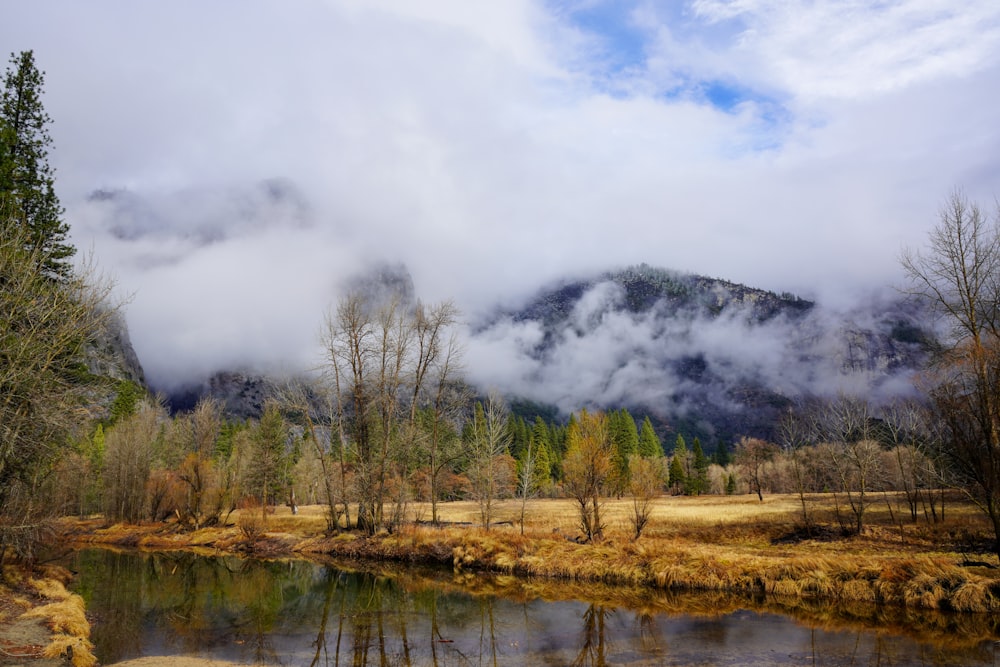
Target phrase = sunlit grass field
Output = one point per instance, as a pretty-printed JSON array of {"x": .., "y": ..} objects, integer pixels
[{"x": 709, "y": 543}]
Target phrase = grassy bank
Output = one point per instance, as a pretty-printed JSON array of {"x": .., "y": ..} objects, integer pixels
[
  {"x": 41, "y": 622},
  {"x": 719, "y": 544}
]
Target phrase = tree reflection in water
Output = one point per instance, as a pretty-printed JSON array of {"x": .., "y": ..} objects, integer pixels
[{"x": 299, "y": 613}]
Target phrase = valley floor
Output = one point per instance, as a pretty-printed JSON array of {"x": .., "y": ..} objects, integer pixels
[{"x": 723, "y": 544}]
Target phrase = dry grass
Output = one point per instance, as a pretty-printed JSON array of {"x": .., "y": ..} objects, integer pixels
[
  {"x": 64, "y": 615},
  {"x": 78, "y": 650},
  {"x": 709, "y": 543}
]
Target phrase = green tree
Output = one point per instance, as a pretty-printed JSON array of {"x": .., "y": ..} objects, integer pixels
[
  {"x": 676, "y": 475},
  {"x": 625, "y": 440},
  {"x": 267, "y": 478},
  {"x": 127, "y": 397},
  {"x": 649, "y": 442},
  {"x": 27, "y": 189},
  {"x": 679, "y": 464},
  {"x": 721, "y": 457},
  {"x": 697, "y": 478},
  {"x": 730, "y": 484}
]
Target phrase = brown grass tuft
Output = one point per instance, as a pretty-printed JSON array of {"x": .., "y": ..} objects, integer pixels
[
  {"x": 67, "y": 615},
  {"x": 78, "y": 650},
  {"x": 51, "y": 589}
]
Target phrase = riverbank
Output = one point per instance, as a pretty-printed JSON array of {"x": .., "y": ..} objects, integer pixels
[
  {"x": 41, "y": 622},
  {"x": 725, "y": 544}
]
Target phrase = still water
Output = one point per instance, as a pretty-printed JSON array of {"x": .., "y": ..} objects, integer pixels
[{"x": 302, "y": 613}]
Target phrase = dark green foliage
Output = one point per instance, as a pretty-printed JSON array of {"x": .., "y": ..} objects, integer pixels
[
  {"x": 268, "y": 476},
  {"x": 227, "y": 433},
  {"x": 518, "y": 433},
  {"x": 649, "y": 442},
  {"x": 625, "y": 443},
  {"x": 127, "y": 397},
  {"x": 528, "y": 409},
  {"x": 721, "y": 457},
  {"x": 676, "y": 474},
  {"x": 27, "y": 190},
  {"x": 730, "y": 484},
  {"x": 697, "y": 479}
]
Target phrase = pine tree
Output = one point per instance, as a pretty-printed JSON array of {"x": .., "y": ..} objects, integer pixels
[
  {"x": 26, "y": 180},
  {"x": 731, "y": 484},
  {"x": 721, "y": 457},
  {"x": 542, "y": 437},
  {"x": 625, "y": 440},
  {"x": 543, "y": 467},
  {"x": 649, "y": 443},
  {"x": 697, "y": 481},
  {"x": 676, "y": 473}
]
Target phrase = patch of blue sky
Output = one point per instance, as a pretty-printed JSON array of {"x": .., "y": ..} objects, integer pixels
[
  {"x": 619, "y": 45},
  {"x": 768, "y": 118},
  {"x": 616, "y": 45}
]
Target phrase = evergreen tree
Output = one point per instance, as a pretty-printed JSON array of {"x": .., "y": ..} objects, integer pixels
[
  {"x": 680, "y": 465},
  {"x": 722, "y": 457},
  {"x": 541, "y": 435},
  {"x": 27, "y": 190},
  {"x": 269, "y": 476},
  {"x": 676, "y": 474},
  {"x": 543, "y": 467},
  {"x": 540, "y": 432},
  {"x": 625, "y": 440},
  {"x": 649, "y": 443},
  {"x": 731, "y": 484},
  {"x": 697, "y": 481},
  {"x": 518, "y": 435}
]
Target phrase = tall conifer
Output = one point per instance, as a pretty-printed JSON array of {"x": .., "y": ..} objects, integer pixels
[{"x": 26, "y": 179}]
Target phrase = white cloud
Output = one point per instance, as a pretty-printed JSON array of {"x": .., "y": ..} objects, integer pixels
[
  {"x": 495, "y": 148},
  {"x": 855, "y": 48}
]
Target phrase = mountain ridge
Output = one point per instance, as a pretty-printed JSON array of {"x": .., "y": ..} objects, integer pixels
[{"x": 701, "y": 356}]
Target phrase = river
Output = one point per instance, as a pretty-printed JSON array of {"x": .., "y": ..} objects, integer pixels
[{"x": 303, "y": 613}]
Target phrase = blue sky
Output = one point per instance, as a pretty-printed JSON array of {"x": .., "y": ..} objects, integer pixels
[{"x": 795, "y": 145}]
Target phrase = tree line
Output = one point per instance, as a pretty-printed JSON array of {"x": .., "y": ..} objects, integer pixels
[{"x": 389, "y": 419}]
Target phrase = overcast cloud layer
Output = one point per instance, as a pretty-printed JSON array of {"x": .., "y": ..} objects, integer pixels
[{"x": 262, "y": 151}]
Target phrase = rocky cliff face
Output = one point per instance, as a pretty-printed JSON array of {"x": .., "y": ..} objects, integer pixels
[
  {"x": 112, "y": 355},
  {"x": 242, "y": 394}
]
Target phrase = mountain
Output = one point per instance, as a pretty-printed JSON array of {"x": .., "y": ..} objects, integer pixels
[{"x": 701, "y": 356}]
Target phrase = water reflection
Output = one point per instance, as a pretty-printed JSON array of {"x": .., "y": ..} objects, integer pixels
[{"x": 299, "y": 613}]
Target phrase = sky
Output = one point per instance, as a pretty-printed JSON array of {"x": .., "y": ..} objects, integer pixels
[{"x": 251, "y": 155}]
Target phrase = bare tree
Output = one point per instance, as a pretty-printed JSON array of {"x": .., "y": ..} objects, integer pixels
[
  {"x": 587, "y": 467},
  {"x": 197, "y": 471},
  {"x": 750, "y": 457},
  {"x": 846, "y": 424},
  {"x": 449, "y": 397},
  {"x": 958, "y": 275},
  {"x": 646, "y": 479},
  {"x": 793, "y": 436},
  {"x": 46, "y": 327},
  {"x": 130, "y": 449},
  {"x": 490, "y": 464},
  {"x": 380, "y": 359}
]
